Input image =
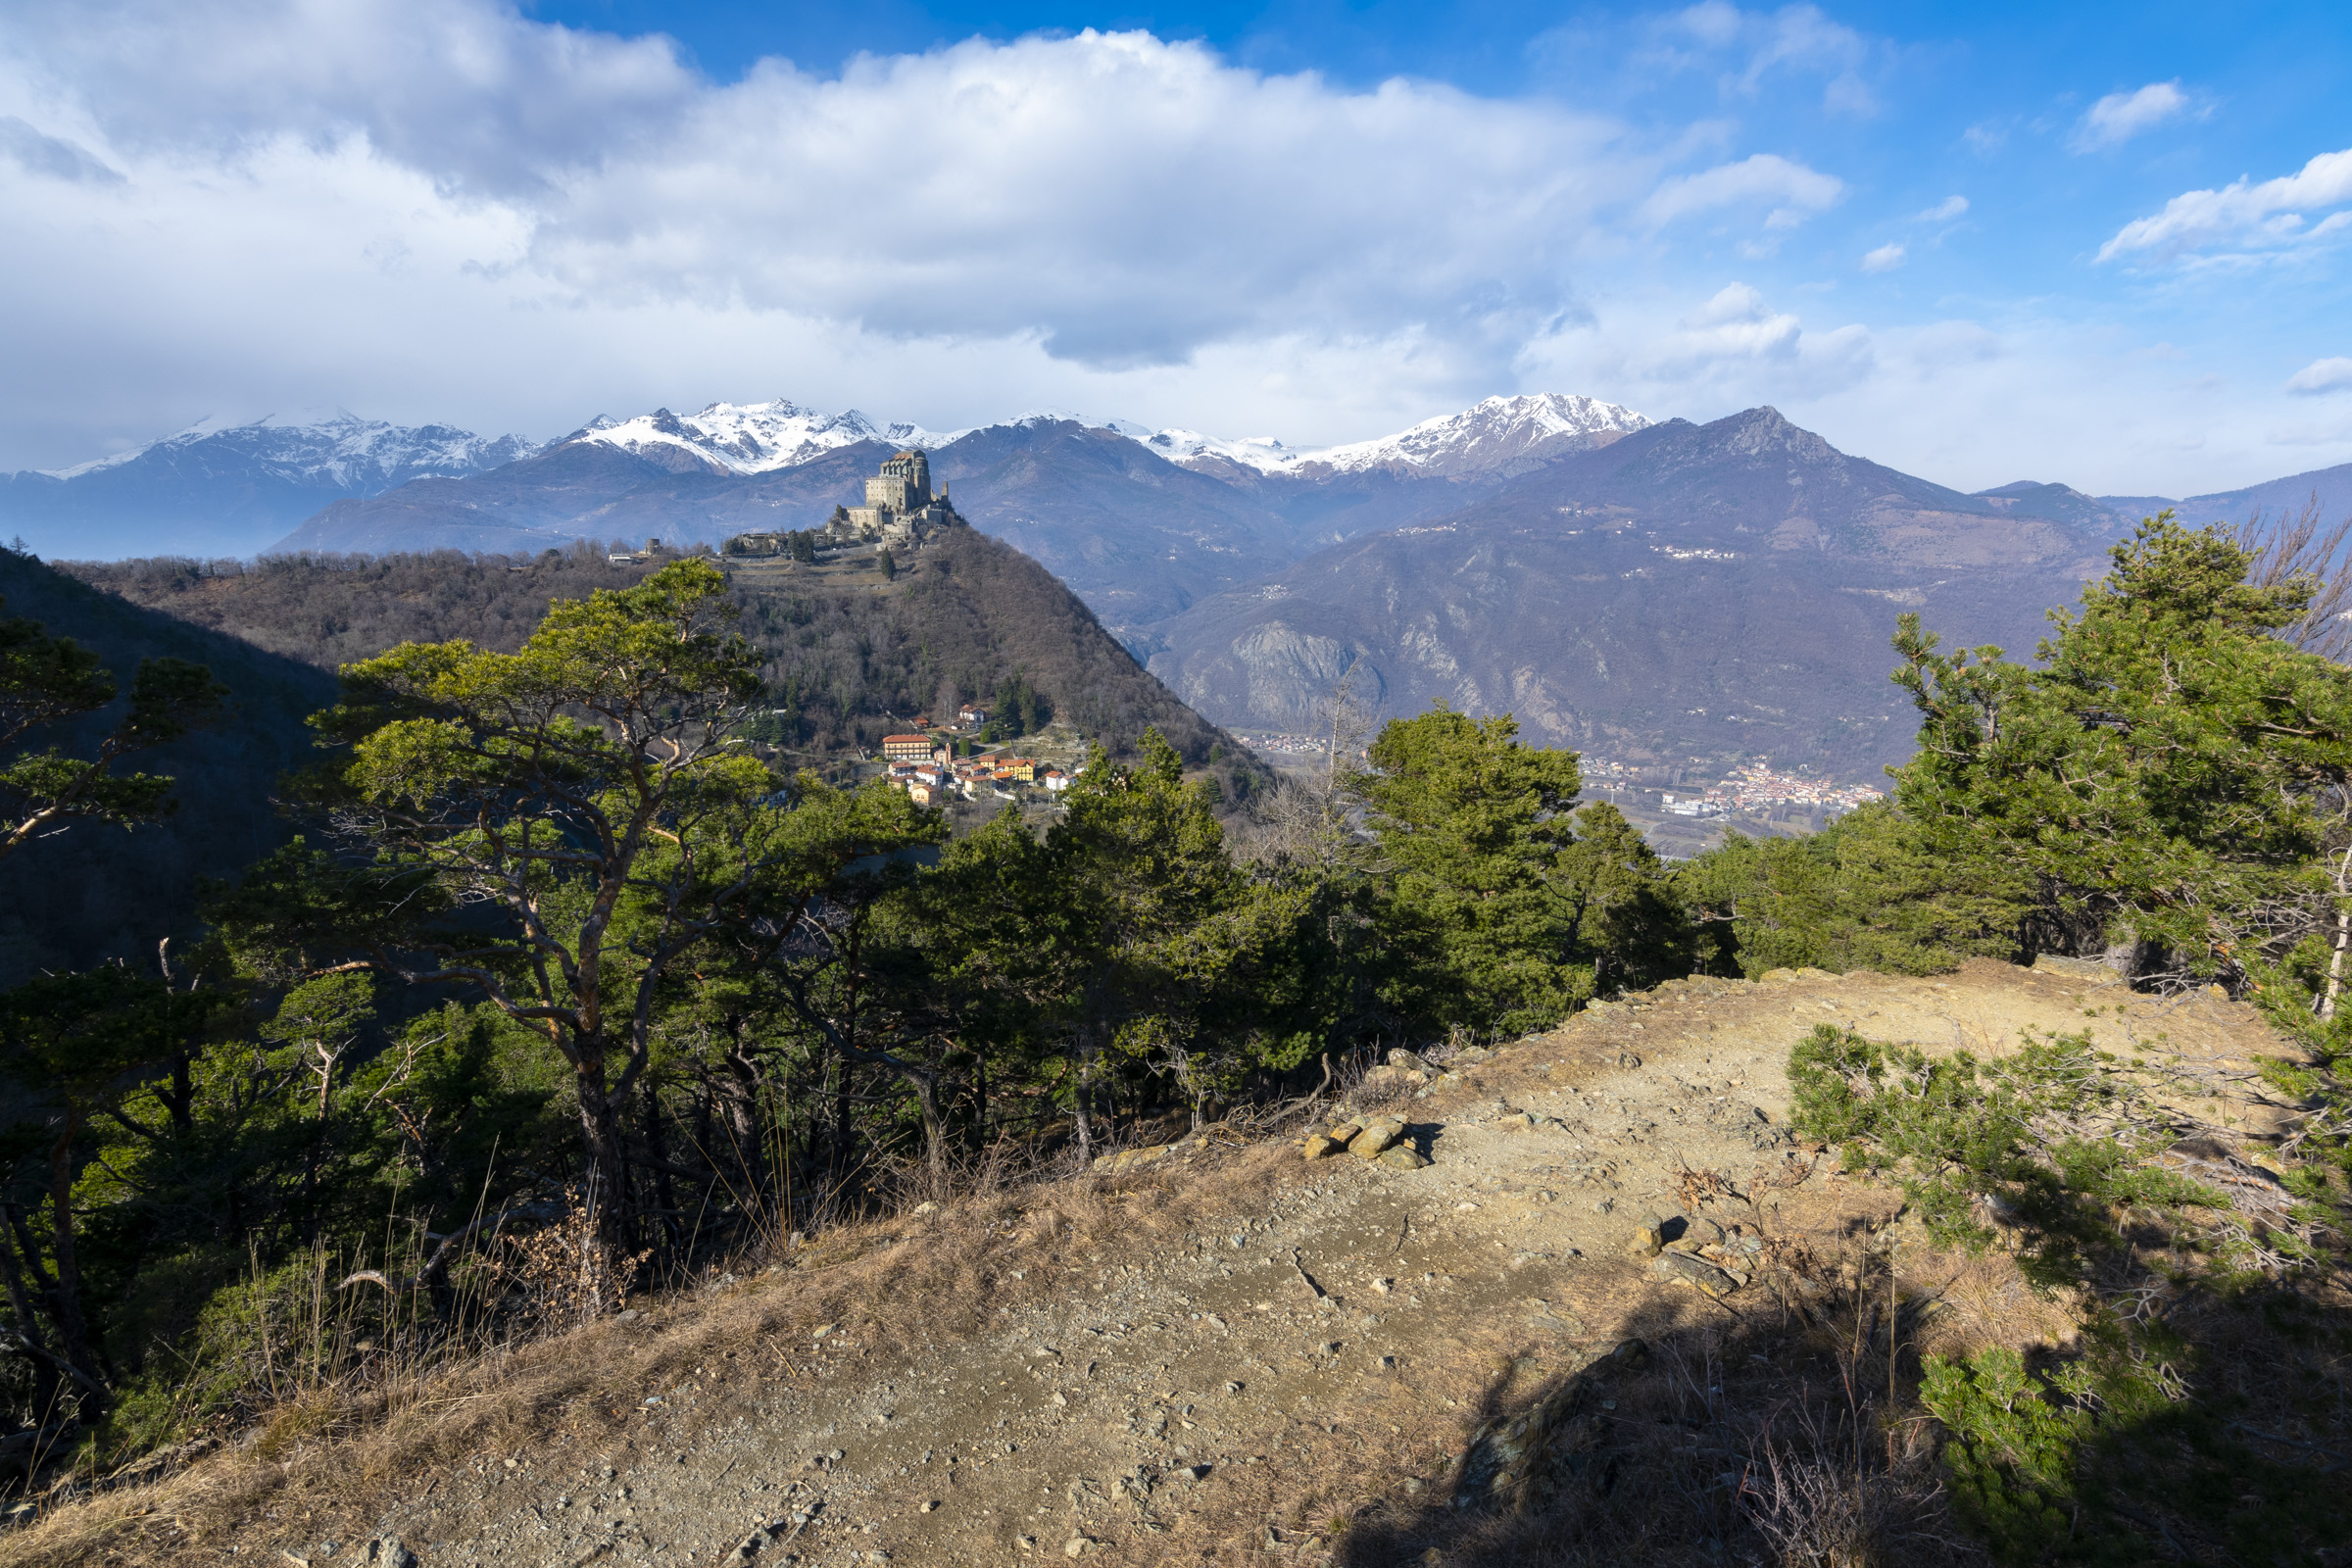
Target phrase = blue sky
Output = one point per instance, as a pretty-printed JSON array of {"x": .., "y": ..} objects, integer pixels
[{"x": 1980, "y": 243}]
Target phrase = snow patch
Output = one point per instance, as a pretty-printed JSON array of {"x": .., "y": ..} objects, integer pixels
[{"x": 1486, "y": 435}]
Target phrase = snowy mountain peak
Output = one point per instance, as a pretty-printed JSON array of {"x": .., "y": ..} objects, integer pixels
[
  {"x": 747, "y": 437},
  {"x": 330, "y": 447},
  {"x": 1488, "y": 435},
  {"x": 760, "y": 437}
]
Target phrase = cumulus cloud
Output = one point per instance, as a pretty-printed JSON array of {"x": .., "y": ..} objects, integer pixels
[
  {"x": 2121, "y": 115},
  {"x": 1122, "y": 199},
  {"x": 1737, "y": 345},
  {"x": 1885, "y": 259},
  {"x": 2321, "y": 376},
  {"x": 1114, "y": 200},
  {"x": 1944, "y": 211},
  {"x": 1790, "y": 190},
  {"x": 2245, "y": 215}
]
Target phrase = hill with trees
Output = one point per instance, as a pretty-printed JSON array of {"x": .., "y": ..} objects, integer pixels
[
  {"x": 99, "y": 892},
  {"x": 846, "y": 655}
]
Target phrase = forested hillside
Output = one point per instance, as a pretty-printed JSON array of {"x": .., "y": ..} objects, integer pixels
[
  {"x": 848, "y": 657},
  {"x": 97, "y": 892}
]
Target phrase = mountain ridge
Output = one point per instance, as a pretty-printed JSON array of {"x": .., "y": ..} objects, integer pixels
[
  {"x": 230, "y": 489},
  {"x": 1684, "y": 593}
]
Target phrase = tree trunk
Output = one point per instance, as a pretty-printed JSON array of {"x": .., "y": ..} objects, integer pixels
[
  {"x": 2335, "y": 960},
  {"x": 979, "y": 1101},
  {"x": 1078, "y": 1101},
  {"x": 665, "y": 1193},
  {"x": 605, "y": 1171},
  {"x": 2344, "y": 934},
  {"x": 743, "y": 1123},
  {"x": 45, "y": 1390},
  {"x": 73, "y": 1329},
  {"x": 935, "y": 1131}
]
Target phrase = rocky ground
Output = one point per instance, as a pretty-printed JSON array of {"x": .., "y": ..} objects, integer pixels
[{"x": 1323, "y": 1353}]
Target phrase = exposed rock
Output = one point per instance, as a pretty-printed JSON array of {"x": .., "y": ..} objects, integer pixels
[
  {"x": 1694, "y": 1270},
  {"x": 2095, "y": 970},
  {"x": 1318, "y": 1145},
  {"x": 1376, "y": 1139},
  {"x": 1404, "y": 1158},
  {"x": 1645, "y": 1240},
  {"x": 1129, "y": 1159}
]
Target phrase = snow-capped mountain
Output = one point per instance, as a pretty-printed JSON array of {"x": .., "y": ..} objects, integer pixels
[
  {"x": 333, "y": 447},
  {"x": 761, "y": 437},
  {"x": 222, "y": 488},
  {"x": 746, "y": 437},
  {"x": 1492, "y": 434}
]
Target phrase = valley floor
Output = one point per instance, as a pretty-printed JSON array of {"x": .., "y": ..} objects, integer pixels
[{"x": 1235, "y": 1353}]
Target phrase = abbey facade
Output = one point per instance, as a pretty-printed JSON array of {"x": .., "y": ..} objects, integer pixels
[
  {"x": 899, "y": 509},
  {"x": 899, "y": 515}
]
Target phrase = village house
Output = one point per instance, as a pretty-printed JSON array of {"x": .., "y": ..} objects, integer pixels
[{"x": 906, "y": 747}]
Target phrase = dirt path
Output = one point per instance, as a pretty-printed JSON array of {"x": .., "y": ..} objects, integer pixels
[{"x": 1222, "y": 1397}]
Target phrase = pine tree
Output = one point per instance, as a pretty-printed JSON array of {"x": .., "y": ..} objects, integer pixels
[{"x": 2169, "y": 772}]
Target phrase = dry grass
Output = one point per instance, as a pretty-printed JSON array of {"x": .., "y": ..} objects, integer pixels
[
  {"x": 1761, "y": 1429},
  {"x": 337, "y": 1458}
]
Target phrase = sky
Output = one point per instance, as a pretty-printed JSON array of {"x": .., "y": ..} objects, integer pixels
[{"x": 2108, "y": 246}]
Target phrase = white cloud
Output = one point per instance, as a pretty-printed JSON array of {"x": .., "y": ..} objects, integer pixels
[
  {"x": 2242, "y": 214},
  {"x": 1885, "y": 259},
  {"x": 2320, "y": 377},
  {"x": 444, "y": 206},
  {"x": 1944, "y": 211},
  {"x": 1735, "y": 347},
  {"x": 1797, "y": 38},
  {"x": 1121, "y": 199},
  {"x": 1791, "y": 189},
  {"x": 2121, "y": 115}
]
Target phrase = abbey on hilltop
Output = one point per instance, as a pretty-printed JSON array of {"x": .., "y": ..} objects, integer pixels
[{"x": 899, "y": 515}]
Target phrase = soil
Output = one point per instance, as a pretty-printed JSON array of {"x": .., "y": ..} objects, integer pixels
[{"x": 1327, "y": 1349}]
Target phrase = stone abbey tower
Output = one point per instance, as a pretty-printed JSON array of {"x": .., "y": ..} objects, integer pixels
[{"x": 899, "y": 515}]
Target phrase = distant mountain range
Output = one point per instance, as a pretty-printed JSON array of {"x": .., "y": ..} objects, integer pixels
[
  {"x": 2330, "y": 487},
  {"x": 1655, "y": 589},
  {"x": 1141, "y": 523},
  {"x": 218, "y": 489},
  {"x": 1686, "y": 593}
]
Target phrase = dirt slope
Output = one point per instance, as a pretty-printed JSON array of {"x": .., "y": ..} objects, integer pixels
[{"x": 1235, "y": 1384}]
